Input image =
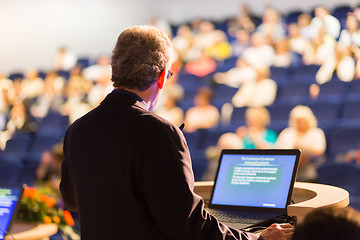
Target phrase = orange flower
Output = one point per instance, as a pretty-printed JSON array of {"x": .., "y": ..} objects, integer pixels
[
  {"x": 50, "y": 202},
  {"x": 68, "y": 218},
  {"x": 56, "y": 219},
  {"x": 47, "y": 220},
  {"x": 30, "y": 192}
]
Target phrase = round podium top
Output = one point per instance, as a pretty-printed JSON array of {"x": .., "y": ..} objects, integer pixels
[{"x": 307, "y": 196}]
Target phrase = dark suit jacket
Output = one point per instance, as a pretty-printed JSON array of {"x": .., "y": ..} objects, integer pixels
[{"x": 128, "y": 173}]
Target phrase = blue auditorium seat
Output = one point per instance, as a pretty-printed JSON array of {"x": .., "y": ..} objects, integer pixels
[
  {"x": 199, "y": 164},
  {"x": 335, "y": 88},
  {"x": 342, "y": 175},
  {"x": 343, "y": 138},
  {"x": 11, "y": 169}
]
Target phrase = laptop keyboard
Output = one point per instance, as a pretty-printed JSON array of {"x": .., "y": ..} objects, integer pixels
[{"x": 236, "y": 217}]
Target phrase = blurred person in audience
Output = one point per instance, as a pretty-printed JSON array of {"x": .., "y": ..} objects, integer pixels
[
  {"x": 76, "y": 92},
  {"x": 342, "y": 62},
  {"x": 183, "y": 41},
  {"x": 103, "y": 86},
  {"x": 32, "y": 85},
  {"x": 303, "y": 22},
  {"x": 258, "y": 93},
  {"x": 64, "y": 60},
  {"x": 209, "y": 39},
  {"x": 356, "y": 12},
  {"x": 227, "y": 140},
  {"x": 323, "y": 21},
  {"x": 329, "y": 223},
  {"x": 241, "y": 43},
  {"x": 19, "y": 121},
  {"x": 7, "y": 93},
  {"x": 271, "y": 26},
  {"x": 351, "y": 34},
  {"x": 53, "y": 97},
  {"x": 282, "y": 54},
  {"x": 201, "y": 66},
  {"x": 170, "y": 111},
  {"x": 304, "y": 134},
  {"x": 203, "y": 115},
  {"x": 49, "y": 169},
  {"x": 256, "y": 135},
  {"x": 99, "y": 70},
  {"x": 261, "y": 54},
  {"x": 244, "y": 21},
  {"x": 319, "y": 49},
  {"x": 78, "y": 83},
  {"x": 161, "y": 24},
  {"x": 234, "y": 77},
  {"x": 297, "y": 44}
]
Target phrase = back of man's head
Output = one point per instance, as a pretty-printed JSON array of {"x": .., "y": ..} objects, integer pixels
[
  {"x": 140, "y": 55},
  {"x": 329, "y": 223}
]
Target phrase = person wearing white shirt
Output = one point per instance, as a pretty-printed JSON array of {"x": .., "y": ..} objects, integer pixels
[
  {"x": 259, "y": 93},
  {"x": 304, "y": 134},
  {"x": 324, "y": 20}
]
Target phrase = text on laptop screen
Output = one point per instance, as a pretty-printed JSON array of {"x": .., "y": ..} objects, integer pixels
[
  {"x": 8, "y": 200},
  {"x": 254, "y": 180}
]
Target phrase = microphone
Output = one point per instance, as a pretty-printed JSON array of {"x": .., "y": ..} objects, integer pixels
[{"x": 182, "y": 126}]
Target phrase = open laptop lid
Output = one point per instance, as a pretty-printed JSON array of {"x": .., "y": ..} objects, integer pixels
[
  {"x": 252, "y": 179},
  {"x": 10, "y": 199}
]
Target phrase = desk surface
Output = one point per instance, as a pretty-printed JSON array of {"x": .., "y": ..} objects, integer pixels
[{"x": 307, "y": 196}]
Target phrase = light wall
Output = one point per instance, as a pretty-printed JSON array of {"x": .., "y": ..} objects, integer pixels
[{"x": 32, "y": 30}]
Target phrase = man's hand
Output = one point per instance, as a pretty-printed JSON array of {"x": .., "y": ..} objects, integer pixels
[{"x": 278, "y": 232}]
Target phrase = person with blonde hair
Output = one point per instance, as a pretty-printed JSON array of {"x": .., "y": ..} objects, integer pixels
[
  {"x": 304, "y": 134},
  {"x": 255, "y": 134}
]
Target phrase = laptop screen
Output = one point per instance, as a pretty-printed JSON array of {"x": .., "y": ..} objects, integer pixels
[
  {"x": 255, "y": 178},
  {"x": 9, "y": 199}
]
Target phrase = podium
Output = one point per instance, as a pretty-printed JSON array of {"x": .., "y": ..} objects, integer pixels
[{"x": 307, "y": 197}]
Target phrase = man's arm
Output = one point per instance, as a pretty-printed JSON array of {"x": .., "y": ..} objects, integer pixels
[
  {"x": 168, "y": 189},
  {"x": 66, "y": 186}
]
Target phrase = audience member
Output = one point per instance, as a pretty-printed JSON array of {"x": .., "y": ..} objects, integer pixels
[
  {"x": 244, "y": 21},
  {"x": 170, "y": 111},
  {"x": 326, "y": 22},
  {"x": 329, "y": 223},
  {"x": 319, "y": 49},
  {"x": 53, "y": 97},
  {"x": 260, "y": 54},
  {"x": 271, "y": 26},
  {"x": 64, "y": 60},
  {"x": 256, "y": 135},
  {"x": 49, "y": 169},
  {"x": 19, "y": 121},
  {"x": 303, "y": 22},
  {"x": 241, "y": 43},
  {"x": 32, "y": 86},
  {"x": 342, "y": 62},
  {"x": 261, "y": 92},
  {"x": 99, "y": 70},
  {"x": 304, "y": 134},
  {"x": 201, "y": 66},
  {"x": 203, "y": 115},
  {"x": 6, "y": 94},
  {"x": 183, "y": 41},
  {"x": 282, "y": 54},
  {"x": 236, "y": 76}
]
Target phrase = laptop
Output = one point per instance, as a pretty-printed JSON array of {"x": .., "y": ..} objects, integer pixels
[
  {"x": 10, "y": 199},
  {"x": 253, "y": 186}
]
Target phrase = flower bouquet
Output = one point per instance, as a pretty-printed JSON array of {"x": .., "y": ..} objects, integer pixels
[{"x": 41, "y": 206}]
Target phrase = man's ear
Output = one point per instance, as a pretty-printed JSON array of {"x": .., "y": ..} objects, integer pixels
[{"x": 161, "y": 80}]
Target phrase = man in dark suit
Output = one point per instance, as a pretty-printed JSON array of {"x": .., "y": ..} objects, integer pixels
[{"x": 127, "y": 171}]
